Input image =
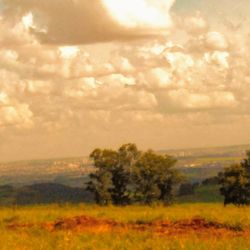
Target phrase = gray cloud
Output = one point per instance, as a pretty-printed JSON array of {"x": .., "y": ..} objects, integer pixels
[{"x": 63, "y": 22}]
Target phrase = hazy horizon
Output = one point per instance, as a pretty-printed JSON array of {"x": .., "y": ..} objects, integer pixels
[
  {"x": 164, "y": 74},
  {"x": 115, "y": 148}
]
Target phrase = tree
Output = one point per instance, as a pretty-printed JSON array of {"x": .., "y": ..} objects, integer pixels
[
  {"x": 154, "y": 177},
  {"x": 167, "y": 178},
  {"x": 122, "y": 174},
  {"x": 128, "y": 175},
  {"x": 115, "y": 167},
  {"x": 100, "y": 183},
  {"x": 235, "y": 183},
  {"x": 246, "y": 163}
]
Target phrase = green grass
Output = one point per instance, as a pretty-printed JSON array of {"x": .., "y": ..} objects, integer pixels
[
  {"x": 38, "y": 239},
  {"x": 204, "y": 194}
]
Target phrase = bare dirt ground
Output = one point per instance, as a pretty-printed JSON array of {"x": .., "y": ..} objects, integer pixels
[{"x": 198, "y": 226}]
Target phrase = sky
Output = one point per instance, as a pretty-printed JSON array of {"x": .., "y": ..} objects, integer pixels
[{"x": 78, "y": 74}]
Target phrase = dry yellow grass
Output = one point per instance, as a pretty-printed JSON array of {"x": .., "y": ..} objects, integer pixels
[{"x": 36, "y": 237}]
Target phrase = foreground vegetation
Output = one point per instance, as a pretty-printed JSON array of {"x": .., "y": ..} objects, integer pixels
[
  {"x": 124, "y": 177},
  {"x": 38, "y": 238}
]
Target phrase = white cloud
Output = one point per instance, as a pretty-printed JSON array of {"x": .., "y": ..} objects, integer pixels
[
  {"x": 195, "y": 24},
  {"x": 62, "y": 91},
  {"x": 216, "y": 41},
  {"x": 198, "y": 101},
  {"x": 219, "y": 58},
  {"x": 157, "y": 78},
  {"x": 18, "y": 116}
]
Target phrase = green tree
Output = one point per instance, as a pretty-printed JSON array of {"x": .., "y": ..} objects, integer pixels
[
  {"x": 128, "y": 175},
  {"x": 122, "y": 191},
  {"x": 235, "y": 183},
  {"x": 114, "y": 169},
  {"x": 154, "y": 177},
  {"x": 167, "y": 178},
  {"x": 100, "y": 183}
]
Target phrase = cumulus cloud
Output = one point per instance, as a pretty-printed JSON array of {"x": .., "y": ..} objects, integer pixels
[
  {"x": 194, "y": 24},
  {"x": 187, "y": 100},
  {"x": 216, "y": 41},
  {"x": 56, "y": 91},
  {"x": 19, "y": 116},
  {"x": 210, "y": 41}
]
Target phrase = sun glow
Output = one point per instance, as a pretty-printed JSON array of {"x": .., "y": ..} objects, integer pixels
[
  {"x": 27, "y": 20},
  {"x": 68, "y": 51},
  {"x": 138, "y": 13}
]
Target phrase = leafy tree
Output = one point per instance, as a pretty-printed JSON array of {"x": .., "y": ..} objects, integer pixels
[
  {"x": 128, "y": 175},
  {"x": 145, "y": 179},
  {"x": 235, "y": 183},
  {"x": 154, "y": 177},
  {"x": 114, "y": 169},
  {"x": 167, "y": 178},
  {"x": 100, "y": 183},
  {"x": 246, "y": 163},
  {"x": 122, "y": 174}
]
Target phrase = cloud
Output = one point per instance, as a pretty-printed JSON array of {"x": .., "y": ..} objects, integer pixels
[
  {"x": 208, "y": 42},
  {"x": 216, "y": 41},
  {"x": 83, "y": 21},
  {"x": 193, "y": 24},
  {"x": 19, "y": 116},
  {"x": 183, "y": 98},
  {"x": 173, "y": 87}
]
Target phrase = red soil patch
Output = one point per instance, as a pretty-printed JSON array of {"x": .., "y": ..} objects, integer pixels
[
  {"x": 81, "y": 223},
  {"x": 197, "y": 226}
]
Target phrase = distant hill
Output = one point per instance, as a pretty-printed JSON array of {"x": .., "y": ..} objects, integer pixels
[
  {"x": 226, "y": 151},
  {"x": 43, "y": 193},
  {"x": 69, "y": 171},
  {"x": 52, "y": 193}
]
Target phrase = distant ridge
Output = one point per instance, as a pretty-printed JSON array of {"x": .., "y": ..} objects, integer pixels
[{"x": 230, "y": 150}]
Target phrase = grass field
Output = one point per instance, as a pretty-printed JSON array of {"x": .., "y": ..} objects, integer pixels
[{"x": 29, "y": 234}]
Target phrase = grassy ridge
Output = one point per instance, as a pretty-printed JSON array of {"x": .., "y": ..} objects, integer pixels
[
  {"x": 204, "y": 194},
  {"x": 56, "y": 193},
  {"x": 36, "y": 238}
]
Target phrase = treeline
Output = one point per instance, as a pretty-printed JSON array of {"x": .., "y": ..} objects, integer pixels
[
  {"x": 129, "y": 176},
  {"x": 235, "y": 183}
]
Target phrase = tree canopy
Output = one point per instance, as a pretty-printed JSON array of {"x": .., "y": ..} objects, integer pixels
[
  {"x": 235, "y": 183},
  {"x": 129, "y": 175}
]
